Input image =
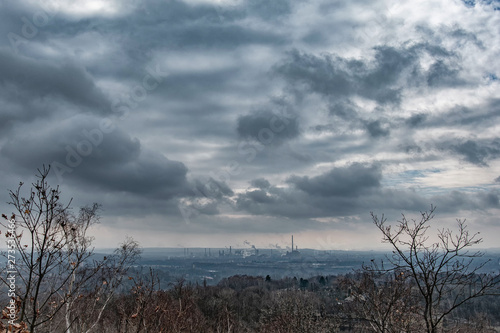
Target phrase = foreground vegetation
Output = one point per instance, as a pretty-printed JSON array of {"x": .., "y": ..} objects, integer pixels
[
  {"x": 55, "y": 284},
  {"x": 357, "y": 302}
]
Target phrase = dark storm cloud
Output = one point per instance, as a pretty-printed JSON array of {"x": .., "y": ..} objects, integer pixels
[
  {"x": 390, "y": 65},
  {"x": 497, "y": 180},
  {"x": 352, "y": 191},
  {"x": 416, "y": 120},
  {"x": 10, "y": 17},
  {"x": 111, "y": 161},
  {"x": 490, "y": 199},
  {"x": 175, "y": 25},
  {"x": 376, "y": 129},
  {"x": 277, "y": 202},
  {"x": 343, "y": 109},
  {"x": 211, "y": 188},
  {"x": 334, "y": 193},
  {"x": 455, "y": 201},
  {"x": 326, "y": 75},
  {"x": 46, "y": 80},
  {"x": 474, "y": 117},
  {"x": 477, "y": 152},
  {"x": 267, "y": 127},
  {"x": 335, "y": 76},
  {"x": 472, "y": 3},
  {"x": 381, "y": 79},
  {"x": 16, "y": 108},
  {"x": 345, "y": 181},
  {"x": 293, "y": 203},
  {"x": 480, "y": 115},
  {"x": 260, "y": 183},
  {"x": 204, "y": 197},
  {"x": 260, "y": 196},
  {"x": 441, "y": 74},
  {"x": 410, "y": 148}
]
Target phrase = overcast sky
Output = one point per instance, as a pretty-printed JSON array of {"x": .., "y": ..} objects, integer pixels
[{"x": 215, "y": 122}]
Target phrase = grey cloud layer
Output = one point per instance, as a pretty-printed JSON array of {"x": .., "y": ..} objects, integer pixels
[
  {"x": 116, "y": 162},
  {"x": 346, "y": 182},
  {"x": 274, "y": 87},
  {"x": 27, "y": 80},
  {"x": 266, "y": 126},
  {"x": 383, "y": 79},
  {"x": 345, "y": 191}
]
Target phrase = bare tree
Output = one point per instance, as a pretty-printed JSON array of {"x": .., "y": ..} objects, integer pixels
[
  {"x": 381, "y": 301},
  {"x": 149, "y": 308},
  {"x": 53, "y": 250},
  {"x": 445, "y": 273},
  {"x": 295, "y": 311},
  {"x": 86, "y": 306}
]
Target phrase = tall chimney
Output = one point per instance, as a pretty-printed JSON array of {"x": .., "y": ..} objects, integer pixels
[{"x": 292, "y": 243}]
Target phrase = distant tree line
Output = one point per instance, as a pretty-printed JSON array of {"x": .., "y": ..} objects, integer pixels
[{"x": 357, "y": 302}]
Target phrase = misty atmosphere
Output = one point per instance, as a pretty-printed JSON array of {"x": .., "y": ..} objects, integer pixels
[
  {"x": 197, "y": 265},
  {"x": 249, "y": 166}
]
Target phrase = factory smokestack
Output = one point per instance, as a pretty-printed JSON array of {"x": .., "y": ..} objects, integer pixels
[{"x": 292, "y": 243}]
